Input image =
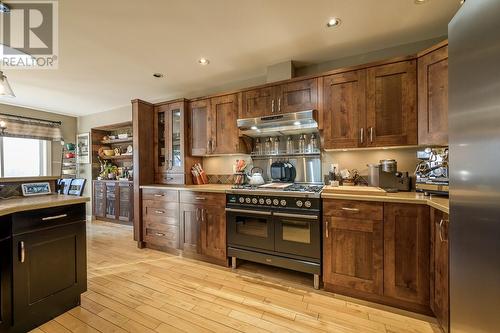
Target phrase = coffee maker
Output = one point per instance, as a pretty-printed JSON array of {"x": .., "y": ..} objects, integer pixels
[
  {"x": 432, "y": 171},
  {"x": 385, "y": 175}
]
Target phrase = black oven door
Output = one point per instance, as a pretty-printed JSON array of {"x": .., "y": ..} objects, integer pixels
[
  {"x": 250, "y": 228},
  {"x": 298, "y": 234}
]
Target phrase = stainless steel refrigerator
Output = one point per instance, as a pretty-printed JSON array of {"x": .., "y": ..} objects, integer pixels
[{"x": 474, "y": 127}]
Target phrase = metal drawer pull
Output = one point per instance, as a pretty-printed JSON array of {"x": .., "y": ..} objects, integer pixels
[
  {"x": 159, "y": 211},
  {"x": 279, "y": 104},
  {"x": 160, "y": 234},
  {"x": 299, "y": 216},
  {"x": 258, "y": 212},
  {"x": 55, "y": 217},
  {"x": 350, "y": 209},
  {"x": 371, "y": 134},
  {"x": 203, "y": 215},
  {"x": 200, "y": 198},
  {"x": 327, "y": 229},
  {"x": 22, "y": 252},
  {"x": 272, "y": 106},
  {"x": 159, "y": 195},
  {"x": 441, "y": 231},
  {"x": 362, "y": 135}
]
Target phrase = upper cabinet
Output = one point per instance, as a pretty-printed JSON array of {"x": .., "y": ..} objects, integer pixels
[
  {"x": 200, "y": 130},
  {"x": 344, "y": 110},
  {"x": 285, "y": 98},
  {"x": 172, "y": 159},
  {"x": 374, "y": 107},
  {"x": 391, "y": 106},
  {"x": 433, "y": 96}
]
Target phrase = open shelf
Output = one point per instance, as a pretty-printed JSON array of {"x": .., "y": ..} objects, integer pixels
[
  {"x": 110, "y": 142},
  {"x": 119, "y": 157}
]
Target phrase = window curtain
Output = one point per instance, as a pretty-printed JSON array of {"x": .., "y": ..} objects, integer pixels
[{"x": 23, "y": 127}]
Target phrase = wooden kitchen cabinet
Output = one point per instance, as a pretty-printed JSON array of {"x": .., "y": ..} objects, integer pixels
[
  {"x": 407, "y": 252},
  {"x": 353, "y": 246},
  {"x": 440, "y": 268},
  {"x": 200, "y": 130},
  {"x": 344, "y": 116},
  {"x": 391, "y": 105},
  {"x": 190, "y": 228},
  {"x": 113, "y": 201},
  {"x": 259, "y": 102},
  {"x": 213, "y": 230},
  {"x": 433, "y": 96}
]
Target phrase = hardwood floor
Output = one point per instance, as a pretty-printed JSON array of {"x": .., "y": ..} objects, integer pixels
[{"x": 133, "y": 290}]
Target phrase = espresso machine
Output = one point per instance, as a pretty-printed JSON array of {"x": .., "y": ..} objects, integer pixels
[
  {"x": 385, "y": 175},
  {"x": 432, "y": 171}
]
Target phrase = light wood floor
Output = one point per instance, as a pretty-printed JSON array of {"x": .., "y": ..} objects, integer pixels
[{"x": 132, "y": 290}]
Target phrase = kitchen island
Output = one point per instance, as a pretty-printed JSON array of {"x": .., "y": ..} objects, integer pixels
[{"x": 43, "y": 259}]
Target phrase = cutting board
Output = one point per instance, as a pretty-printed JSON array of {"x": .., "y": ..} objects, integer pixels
[{"x": 356, "y": 190}]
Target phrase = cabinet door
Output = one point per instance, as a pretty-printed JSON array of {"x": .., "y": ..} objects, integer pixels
[
  {"x": 175, "y": 138},
  {"x": 111, "y": 201},
  {"x": 259, "y": 102},
  {"x": 298, "y": 96},
  {"x": 440, "y": 301},
  {"x": 5, "y": 284},
  {"x": 159, "y": 136},
  {"x": 213, "y": 232},
  {"x": 190, "y": 228},
  {"x": 49, "y": 273},
  {"x": 223, "y": 116},
  {"x": 392, "y": 104},
  {"x": 433, "y": 98},
  {"x": 344, "y": 97},
  {"x": 406, "y": 252},
  {"x": 353, "y": 249},
  {"x": 199, "y": 130},
  {"x": 99, "y": 202},
  {"x": 126, "y": 195}
]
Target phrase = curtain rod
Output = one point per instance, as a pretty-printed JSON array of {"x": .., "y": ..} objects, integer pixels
[{"x": 31, "y": 118}]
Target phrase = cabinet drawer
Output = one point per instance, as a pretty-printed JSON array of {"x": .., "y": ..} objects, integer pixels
[
  {"x": 354, "y": 209},
  {"x": 206, "y": 198},
  {"x": 162, "y": 235},
  {"x": 160, "y": 212},
  {"x": 160, "y": 195},
  {"x": 170, "y": 178},
  {"x": 47, "y": 218}
]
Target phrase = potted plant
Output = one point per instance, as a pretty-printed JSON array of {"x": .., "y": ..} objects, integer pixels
[{"x": 109, "y": 171}]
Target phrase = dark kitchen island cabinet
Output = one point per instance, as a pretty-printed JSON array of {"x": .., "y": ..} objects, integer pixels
[{"x": 43, "y": 263}]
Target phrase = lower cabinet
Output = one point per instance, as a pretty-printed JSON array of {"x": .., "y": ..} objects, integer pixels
[
  {"x": 187, "y": 222},
  {"x": 353, "y": 246},
  {"x": 440, "y": 285},
  {"x": 113, "y": 201},
  {"x": 5, "y": 282},
  {"x": 378, "y": 251}
]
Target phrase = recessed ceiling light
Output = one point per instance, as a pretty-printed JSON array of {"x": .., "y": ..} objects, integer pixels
[
  {"x": 253, "y": 128},
  {"x": 462, "y": 2},
  {"x": 4, "y": 8},
  {"x": 203, "y": 61},
  {"x": 296, "y": 123},
  {"x": 158, "y": 75},
  {"x": 419, "y": 2},
  {"x": 333, "y": 22}
]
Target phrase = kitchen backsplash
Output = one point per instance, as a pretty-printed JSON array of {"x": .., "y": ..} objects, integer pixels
[{"x": 220, "y": 168}]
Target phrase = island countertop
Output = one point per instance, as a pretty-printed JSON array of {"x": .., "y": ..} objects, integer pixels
[{"x": 19, "y": 204}]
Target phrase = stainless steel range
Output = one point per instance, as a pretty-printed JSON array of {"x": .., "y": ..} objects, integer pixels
[{"x": 279, "y": 227}]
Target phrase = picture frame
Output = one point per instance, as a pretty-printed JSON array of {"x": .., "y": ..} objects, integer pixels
[{"x": 31, "y": 189}]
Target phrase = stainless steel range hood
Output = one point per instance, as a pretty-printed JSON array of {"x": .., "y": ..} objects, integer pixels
[{"x": 282, "y": 124}]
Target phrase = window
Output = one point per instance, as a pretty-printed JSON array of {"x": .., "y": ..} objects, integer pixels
[{"x": 21, "y": 157}]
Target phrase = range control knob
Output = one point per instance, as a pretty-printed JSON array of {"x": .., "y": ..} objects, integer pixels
[
  {"x": 261, "y": 201},
  {"x": 254, "y": 201},
  {"x": 307, "y": 204},
  {"x": 268, "y": 201},
  {"x": 248, "y": 200},
  {"x": 299, "y": 203},
  {"x": 241, "y": 200},
  {"x": 283, "y": 202},
  {"x": 276, "y": 202}
]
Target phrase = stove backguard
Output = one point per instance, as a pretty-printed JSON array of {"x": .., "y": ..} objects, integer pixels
[{"x": 307, "y": 166}]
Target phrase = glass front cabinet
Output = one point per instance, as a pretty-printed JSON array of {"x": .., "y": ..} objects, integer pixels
[{"x": 169, "y": 143}]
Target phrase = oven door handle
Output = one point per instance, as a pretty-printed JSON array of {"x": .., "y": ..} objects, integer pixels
[
  {"x": 247, "y": 211},
  {"x": 298, "y": 216}
]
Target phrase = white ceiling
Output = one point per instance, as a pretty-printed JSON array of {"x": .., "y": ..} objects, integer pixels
[{"x": 109, "y": 49}]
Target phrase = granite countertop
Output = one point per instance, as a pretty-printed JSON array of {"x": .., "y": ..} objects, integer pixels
[
  {"x": 19, "y": 204},
  {"x": 438, "y": 202},
  {"x": 215, "y": 188}
]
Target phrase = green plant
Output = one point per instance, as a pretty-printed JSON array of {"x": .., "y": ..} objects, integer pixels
[{"x": 108, "y": 169}]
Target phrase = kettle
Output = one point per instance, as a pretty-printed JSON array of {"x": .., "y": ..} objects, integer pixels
[{"x": 255, "y": 178}]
